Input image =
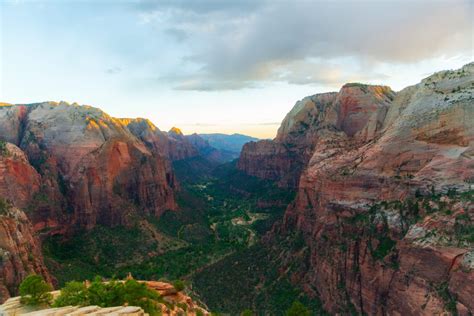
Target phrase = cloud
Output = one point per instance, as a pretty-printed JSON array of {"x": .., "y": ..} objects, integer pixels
[
  {"x": 113, "y": 70},
  {"x": 200, "y": 6},
  {"x": 239, "y": 44}
]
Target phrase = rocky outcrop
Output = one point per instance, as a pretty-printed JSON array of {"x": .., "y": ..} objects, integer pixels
[
  {"x": 271, "y": 161},
  {"x": 357, "y": 111},
  {"x": 121, "y": 178},
  {"x": 370, "y": 145},
  {"x": 180, "y": 147},
  {"x": 20, "y": 250},
  {"x": 91, "y": 167},
  {"x": 172, "y": 145},
  {"x": 19, "y": 181}
]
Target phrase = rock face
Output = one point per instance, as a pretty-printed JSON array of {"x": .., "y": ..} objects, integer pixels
[
  {"x": 356, "y": 111},
  {"x": 373, "y": 165},
  {"x": 20, "y": 250},
  {"x": 72, "y": 167},
  {"x": 19, "y": 181},
  {"x": 172, "y": 145},
  {"x": 89, "y": 168}
]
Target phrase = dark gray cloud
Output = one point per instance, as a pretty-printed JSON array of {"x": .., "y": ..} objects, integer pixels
[{"x": 238, "y": 44}]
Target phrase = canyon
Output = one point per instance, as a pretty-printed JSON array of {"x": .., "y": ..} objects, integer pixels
[
  {"x": 363, "y": 150},
  {"x": 362, "y": 203}
]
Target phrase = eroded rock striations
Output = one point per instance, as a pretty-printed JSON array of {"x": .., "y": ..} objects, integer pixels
[
  {"x": 384, "y": 202},
  {"x": 20, "y": 250}
]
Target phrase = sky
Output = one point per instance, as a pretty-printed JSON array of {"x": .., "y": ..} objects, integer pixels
[{"x": 221, "y": 66}]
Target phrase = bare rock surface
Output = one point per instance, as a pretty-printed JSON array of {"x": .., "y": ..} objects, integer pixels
[{"x": 20, "y": 251}]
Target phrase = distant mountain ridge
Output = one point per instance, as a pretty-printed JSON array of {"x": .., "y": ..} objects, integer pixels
[{"x": 228, "y": 142}]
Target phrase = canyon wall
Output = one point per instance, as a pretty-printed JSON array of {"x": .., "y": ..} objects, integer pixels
[
  {"x": 86, "y": 167},
  {"x": 20, "y": 249},
  {"x": 355, "y": 111},
  {"x": 64, "y": 168},
  {"x": 384, "y": 201}
]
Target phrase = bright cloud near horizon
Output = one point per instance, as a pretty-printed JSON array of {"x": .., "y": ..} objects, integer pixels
[{"x": 221, "y": 66}]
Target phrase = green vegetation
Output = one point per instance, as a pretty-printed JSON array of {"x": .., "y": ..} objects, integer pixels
[
  {"x": 373, "y": 224},
  {"x": 298, "y": 309},
  {"x": 223, "y": 214},
  {"x": 74, "y": 294},
  {"x": 35, "y": 291},
  {"x": 4, "y": 206},
  {"x": 250, "y": 279},
  {"x": 355, "y": 84},
  {"x": 448, "y": 298},
  {"x": 464, "y": 229},
  {"x": 3, "y": 148},
  {"x": 109, "y": 294},
  {"x": 179, "y": 285}
]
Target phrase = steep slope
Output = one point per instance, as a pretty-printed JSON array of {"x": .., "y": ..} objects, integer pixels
[
  {"x": 20, "y": 250},
  {"x": 93, "y": 169},
  {"x": 19, "y": 181},
  {"x": 356, "y": 111},
  {"x": 378, "y": 202}
]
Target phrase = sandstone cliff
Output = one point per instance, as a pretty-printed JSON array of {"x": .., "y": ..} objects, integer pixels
[
  {"x": 356, "y": 111},
  {"x": 20, "y": 250},
  {"x": 377, "y": 202},
  {"x": 19, "y": 181},
  {"x": 172, "y": 145},
  {"x": 90, "y": 167}
]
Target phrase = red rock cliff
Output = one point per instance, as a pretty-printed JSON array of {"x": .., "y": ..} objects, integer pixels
[
  {"x": 89, "y": 166},
  {"x": 172, "y": 145},
  {"x": 20, "y": 251},
  {"x": 356, "y": 111},
  {"x": 382, "y": 236}
]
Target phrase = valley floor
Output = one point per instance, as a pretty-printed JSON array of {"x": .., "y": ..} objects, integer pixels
[{"x": 222, "y": 218}]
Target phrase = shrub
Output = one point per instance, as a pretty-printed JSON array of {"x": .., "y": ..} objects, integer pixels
[
  {"x": 74, "y": 293},
  {"x": 298, "y": 309},
  {"x": 199, "y": 312},
  {"x": 179, "y": 285},
  {"x": 3, "y": 148},
  {"x": 104, "y": 294},
  {"x": 138, "y": 294},
  {"x": 35, "y": 291},
  {"x": 130, "y": 293},
  {"x": 247, "y": 312},
  {"x": 4, "y": 206}
]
